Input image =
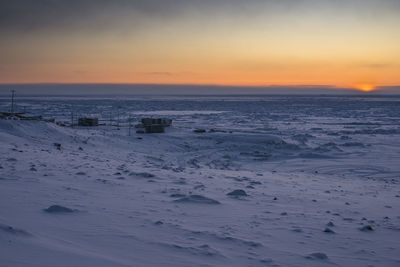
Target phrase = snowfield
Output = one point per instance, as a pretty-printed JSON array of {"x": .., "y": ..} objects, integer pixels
[{"x": 274, "y": 181}]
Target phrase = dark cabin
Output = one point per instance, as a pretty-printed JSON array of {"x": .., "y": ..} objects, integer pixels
[
  {"x": 88, "y": 122},
  {"x": 155, "y": 125}
]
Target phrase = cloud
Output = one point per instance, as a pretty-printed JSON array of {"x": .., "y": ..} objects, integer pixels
[
  {"x": 43, "y": 15},
  {"x": 80, "y": 72},
  {"x": 27, "y": 16},
  {"x": 380, "y": 65},
  {"x": 162, "y": 73}
]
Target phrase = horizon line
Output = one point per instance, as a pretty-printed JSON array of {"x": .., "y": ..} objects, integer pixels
[
  {"x": 188, "y": 89},
  {"x": 327, "y": 86}
]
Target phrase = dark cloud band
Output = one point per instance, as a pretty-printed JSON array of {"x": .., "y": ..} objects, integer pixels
[{"x": 58, "y": 15}]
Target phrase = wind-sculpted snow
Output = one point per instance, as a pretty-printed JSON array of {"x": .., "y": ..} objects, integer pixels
[
  {"x": 13, "y": 231},
  {"x": 198, "y": 199},
  {"x": 58, "y": 209},
  {"x": 268, "y": 181}
]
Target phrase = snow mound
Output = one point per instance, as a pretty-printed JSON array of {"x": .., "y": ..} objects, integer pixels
[
  {"x": 58, "y": 209},
  {"x": 317, "y": 256},
  {"x": 197, "y": 199},
  {"x": 13, "y": 231},
  {"x": 237, "y": 193}
]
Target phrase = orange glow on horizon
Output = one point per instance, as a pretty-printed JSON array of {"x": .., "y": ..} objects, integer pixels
[
  {"x": 366, "y": 87},
  {"x": 298, "y": 47}
]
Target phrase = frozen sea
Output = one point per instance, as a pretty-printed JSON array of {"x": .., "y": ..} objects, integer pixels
[{"x": 273, "y": 181}]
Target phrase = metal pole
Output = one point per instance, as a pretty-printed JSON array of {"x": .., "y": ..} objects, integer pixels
[
  {"x": 12, "y": 101},
  {"x": 118, "y": 116},
  {"x": 129, "y": 126}
]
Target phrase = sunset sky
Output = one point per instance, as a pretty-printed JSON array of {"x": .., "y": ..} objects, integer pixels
[{"x": 340, "y": 43}]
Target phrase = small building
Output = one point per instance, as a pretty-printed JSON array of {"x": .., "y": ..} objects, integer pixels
[
  {"x": 154, "y": 125},
  {"x": 88, "y": 122},
  {"x": 161, "y": 121},
  {"x": 31, "y": 118},
  {"x": 19, "y": 116},
  {"x": 154, "y": 128}
]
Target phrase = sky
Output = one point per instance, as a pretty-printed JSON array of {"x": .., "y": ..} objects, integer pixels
[{"x": 269, "y": 43}]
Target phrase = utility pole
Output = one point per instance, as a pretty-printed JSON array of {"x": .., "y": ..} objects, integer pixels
[
  {"x": 12, "y": 101},
  {"x": 118, "y": 116},
  {"x": 130, "y": 125}
]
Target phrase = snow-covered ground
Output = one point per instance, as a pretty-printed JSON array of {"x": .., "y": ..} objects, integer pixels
[{"x": 316, "y": 180}]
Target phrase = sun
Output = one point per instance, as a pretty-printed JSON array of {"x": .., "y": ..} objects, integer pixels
[{"x": 366, "y": 87}]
